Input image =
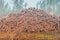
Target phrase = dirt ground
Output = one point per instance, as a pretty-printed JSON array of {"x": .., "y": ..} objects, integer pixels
[{"x": 30, "y": 36}]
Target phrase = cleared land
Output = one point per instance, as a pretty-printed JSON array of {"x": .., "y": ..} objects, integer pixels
[{"x": 29, "y": 36}]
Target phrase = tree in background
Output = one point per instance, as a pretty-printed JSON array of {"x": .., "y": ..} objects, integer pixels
[
  {"x": 44, "y": 4},
  {"x": 38, "y": 4},
  {"x": 1, "y": 8},
  {"x": 25, "y": 5},
  {"x": 11, "y": 6},
  {"x": 49, "y": 5},
  {"x": 18, "y": 4},
  {"x": 14, "y": 5},
  {"x": 1, "y": 3}
]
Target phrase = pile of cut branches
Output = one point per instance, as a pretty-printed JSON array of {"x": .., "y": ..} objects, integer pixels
[{"x": 30, "y": 20}]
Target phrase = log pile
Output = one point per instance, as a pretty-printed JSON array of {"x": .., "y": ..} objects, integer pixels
[{"x": 30, "y": 20}]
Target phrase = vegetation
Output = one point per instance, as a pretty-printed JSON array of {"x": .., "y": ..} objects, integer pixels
[
  {"x": 49, "y": 6},
  {"x": 7, "y": 6}
]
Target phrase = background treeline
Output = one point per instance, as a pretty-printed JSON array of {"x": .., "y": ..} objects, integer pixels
[{"x": 51, "y": 6}]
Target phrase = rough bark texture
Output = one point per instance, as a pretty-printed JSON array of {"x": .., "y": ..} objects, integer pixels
[{"x": 30, "y": 20}]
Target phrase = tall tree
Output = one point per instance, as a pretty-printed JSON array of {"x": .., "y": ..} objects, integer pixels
[
  {"x": 14, "y": 4},
  {"x": 18, "y": 4},
  {"x": 25, "y": 5},
  {"x": 49, "y": 5}
]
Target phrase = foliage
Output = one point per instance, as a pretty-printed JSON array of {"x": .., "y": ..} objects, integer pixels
[{"x": 49, "y": 5}]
